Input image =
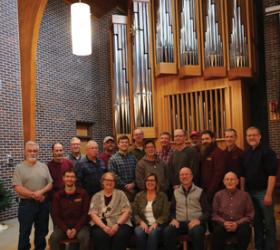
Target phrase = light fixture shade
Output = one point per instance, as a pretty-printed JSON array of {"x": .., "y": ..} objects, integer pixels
[{"x": 81, "y": 29}]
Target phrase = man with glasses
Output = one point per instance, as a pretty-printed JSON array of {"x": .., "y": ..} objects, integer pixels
[
  {"x": 32, "y": 181},
  {"x": 75, "y": 150},
  {"x": 258, "y": 177}
]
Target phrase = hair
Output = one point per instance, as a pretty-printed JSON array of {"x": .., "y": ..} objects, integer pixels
[
  {"x": 231, "y": 130},
  {"x": 165, "y": 133},
  {"x": 74, "y": 139},
  {"x": 90, "y": 142},
  {"x": 208, "y": 132},
  {"x": 150, "y": 175},
  {"x": 69, "y": 170},
  {"x": 231, "y": 172},
  {"x": 123, "y": 137},
  {"x": 31, "y": 143},
  {"x": 253, "y": 127},
  {"x": 53, "y": 145},
  {"x": 184, "y": 131},
  {"x": 104, "y": 175},
  {"x": 148, "y": 141},
  {"x": 187, "y": 168}
]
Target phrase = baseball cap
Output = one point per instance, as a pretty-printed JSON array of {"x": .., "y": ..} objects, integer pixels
[
  {"x": 108, "y": 138},
  {"x": 194, "y": 133}
]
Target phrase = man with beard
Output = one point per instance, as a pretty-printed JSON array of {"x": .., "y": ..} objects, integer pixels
[
  {"x": 166, "y": 151},
  {"x": 258, "y": 176},
  {"x": 195, "y": 138},
  {"x": 69, "y": 212},
  {"x": 90, "y": 169},
  {"x": 182, "y": 156},
  {"x": 212, "y": 164},
  {"x": 31, "y": 181},
  {"x": 108, "y": 149},
  {"x": 232, "y": 151},
  {"x": 57, "y": 167}
]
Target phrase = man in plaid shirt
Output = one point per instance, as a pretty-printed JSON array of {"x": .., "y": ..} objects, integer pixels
[
  {"x": 166, "y": 151},
  {"x": 123, "y": 165}
]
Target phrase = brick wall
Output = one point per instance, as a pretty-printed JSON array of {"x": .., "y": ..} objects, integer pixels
[
  {"x": 272, "y": 69},
  {"x": 71, "y": 88},
  {"x": 11, "y": 132}
]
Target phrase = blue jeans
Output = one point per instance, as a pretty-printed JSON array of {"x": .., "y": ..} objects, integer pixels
[
  {"x": 29, "y": 212},
  {"x": 146, "y": 241},
  {"x": 264, "y": 222},
  {"x": 196, "y": 234}
]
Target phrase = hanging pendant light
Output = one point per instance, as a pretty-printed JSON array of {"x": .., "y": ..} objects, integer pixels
[{"x": 81, "y": 29}]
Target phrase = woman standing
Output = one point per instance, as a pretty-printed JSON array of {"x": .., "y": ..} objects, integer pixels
[
  {"x": 151, "y": 212},
  {"x": 110, "y": 214}
]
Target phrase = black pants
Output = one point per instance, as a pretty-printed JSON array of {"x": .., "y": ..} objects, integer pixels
[
  {"x": 102, "y": 241},
  {"x": 220, "y": 235}
]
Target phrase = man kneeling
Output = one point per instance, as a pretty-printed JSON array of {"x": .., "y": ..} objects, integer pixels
[
  {"x": 190, "y": 212},
  {"x": 233, "y": 213},
  {"x": 70, "y": 213}
]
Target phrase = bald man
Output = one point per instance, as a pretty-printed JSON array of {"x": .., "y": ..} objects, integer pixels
[{"x": 90, "y": 169}]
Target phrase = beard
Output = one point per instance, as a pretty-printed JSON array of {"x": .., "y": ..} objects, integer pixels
[{"x": 205, "y": 149}]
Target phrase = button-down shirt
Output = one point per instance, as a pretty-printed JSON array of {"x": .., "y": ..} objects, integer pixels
[
  {"x": 164, "y": 154},
  {"x": 89, "y": 174},
  {"x": 70, "y": 210},
  {"x": 233, "y": 206},
  {"x": 123, "y": 165},
  {"x": 233, "y": 160}
]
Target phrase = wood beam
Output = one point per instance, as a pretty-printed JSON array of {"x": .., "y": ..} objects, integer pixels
[{"x": 30, "y": 14}]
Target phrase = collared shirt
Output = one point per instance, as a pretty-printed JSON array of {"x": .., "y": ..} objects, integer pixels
[
  {"x": 257, "y": 165},
  {"x": 124, "y": 167},
  {"x": 89, "y": 174},
  {"x": 232, "y": 206},
  {"x": 70, "y": 210},
  {"x": 164, "y": 154},
  {"x": 75, "y": 159},
  {"x": 233, "y": 159},
  {"x": 136, "y": 151}
]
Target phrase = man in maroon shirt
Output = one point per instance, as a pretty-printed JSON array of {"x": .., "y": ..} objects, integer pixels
[
  {"x": 233, "y": 213},
  {"x": 233, "y": 152},
  {"x": 109, "y": 147},
  {"x": 70, "y": 213},
  {"x": 212, "y": 164},
  {"x": 57, "y": 167}
]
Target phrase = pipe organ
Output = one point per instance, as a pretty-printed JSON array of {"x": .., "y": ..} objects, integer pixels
[{"x": 179, "y": 42}]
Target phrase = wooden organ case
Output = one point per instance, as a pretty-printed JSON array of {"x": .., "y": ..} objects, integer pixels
[{"x": 182, "y": 64}]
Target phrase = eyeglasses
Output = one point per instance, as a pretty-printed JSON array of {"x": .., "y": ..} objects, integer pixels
[{"x": 150, "y": 180}]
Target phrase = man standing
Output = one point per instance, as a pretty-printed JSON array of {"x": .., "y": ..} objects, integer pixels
[
  {"x": 189, "y": 212},
  {"x": 166, "y": 151},
  {"x": 232, "y": 152},
  {"x": 182, "y": 156},
  {"x": 195, "y": 138},
  {"x": 137, "y": 148},
  {"x": 90, "y": 169},
  {"x": 108, "y": 148},
  {"x": 70, "y": 213},
  {"x": 57, "y": 166},
  {"x": 123, "y": 165},
  {"x": 212, "y": 164},
  {"x": 75, "y": 150},
  {"x": 233, "y": 213},
  {"x": 31, "y": 181},
  {"x": 258, "y": 176}
]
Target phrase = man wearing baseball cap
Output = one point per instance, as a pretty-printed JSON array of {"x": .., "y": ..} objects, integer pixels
[{"x": 108, "y": 149}]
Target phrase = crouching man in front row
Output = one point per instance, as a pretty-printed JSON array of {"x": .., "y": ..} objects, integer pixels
[
  {"x": 70, "y": 213},
  {"x": 190, "y": 212}
]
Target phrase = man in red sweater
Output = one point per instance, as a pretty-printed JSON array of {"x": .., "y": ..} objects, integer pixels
[
  {"x": 70, "y": 213},
  {"x": 57, "y": 166},
  {"x": 213, "y": 164}
]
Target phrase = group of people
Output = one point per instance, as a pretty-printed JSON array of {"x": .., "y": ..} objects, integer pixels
[{"x": 103, "y": 198}]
